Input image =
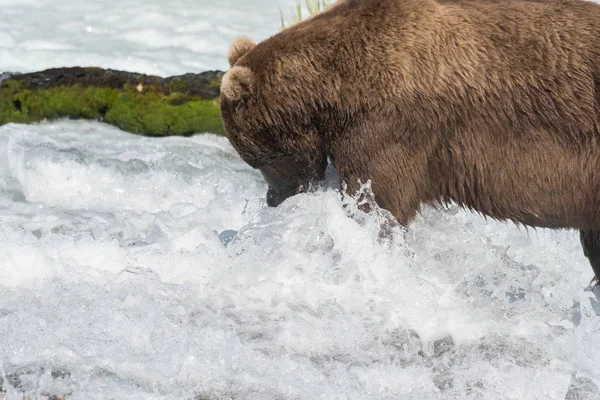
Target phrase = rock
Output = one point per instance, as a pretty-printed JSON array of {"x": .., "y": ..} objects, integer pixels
[{"x": 227, "y": 236}]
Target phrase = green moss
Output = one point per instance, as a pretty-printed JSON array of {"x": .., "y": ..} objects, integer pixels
[
  {"x": 215, "y": 83},
  {"x": 178, "y": 86},
  {"x": 156, "y": 115},
  {"x": 148, "y": 113}
]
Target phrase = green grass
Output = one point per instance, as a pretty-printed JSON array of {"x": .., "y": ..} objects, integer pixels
[
  {"x": 313, "y": 7},
  {"x": 151, "y": 113}
]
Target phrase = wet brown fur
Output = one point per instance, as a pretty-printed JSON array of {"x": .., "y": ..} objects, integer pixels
[{"x": 492, "y": 104}]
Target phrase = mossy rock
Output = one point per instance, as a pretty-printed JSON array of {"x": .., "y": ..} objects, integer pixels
[{"x": 141, "y": 104}]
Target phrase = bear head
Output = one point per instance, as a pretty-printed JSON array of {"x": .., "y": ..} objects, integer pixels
[{"x": 267, "y": 122}]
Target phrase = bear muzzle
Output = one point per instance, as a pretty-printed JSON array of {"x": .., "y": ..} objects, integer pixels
[{"x": 277, "y": 196}]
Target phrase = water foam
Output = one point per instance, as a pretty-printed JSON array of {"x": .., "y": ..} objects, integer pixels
[{"x": 117, "y": 281}]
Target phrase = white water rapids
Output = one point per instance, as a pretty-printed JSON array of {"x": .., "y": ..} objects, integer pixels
[{"x": 145, "y": 268}]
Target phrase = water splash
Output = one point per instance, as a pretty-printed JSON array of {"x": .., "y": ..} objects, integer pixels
[{"x": 140, "y": 267}]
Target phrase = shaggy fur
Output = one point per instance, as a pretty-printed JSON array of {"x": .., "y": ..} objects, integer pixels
[
  {"x": 492, "y": 104},
  {"x": 237, "y": 83},
  {"x": 240, "y": 46}
]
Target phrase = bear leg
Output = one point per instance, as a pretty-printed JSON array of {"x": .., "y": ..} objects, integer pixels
[{"x": 590, "y": 241}]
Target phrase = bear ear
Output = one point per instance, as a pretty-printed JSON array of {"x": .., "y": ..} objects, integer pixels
[
  {"x": 239, "y": 47},
  {"x": 237, "y": 83}
]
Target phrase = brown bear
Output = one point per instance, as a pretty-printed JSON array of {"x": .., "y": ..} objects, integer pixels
[{"x": 493, "y": 105}]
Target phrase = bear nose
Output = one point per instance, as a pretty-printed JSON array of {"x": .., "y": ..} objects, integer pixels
[
  {"x": 276, "y": 197},
  {"x": 273, "y": 198}
]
